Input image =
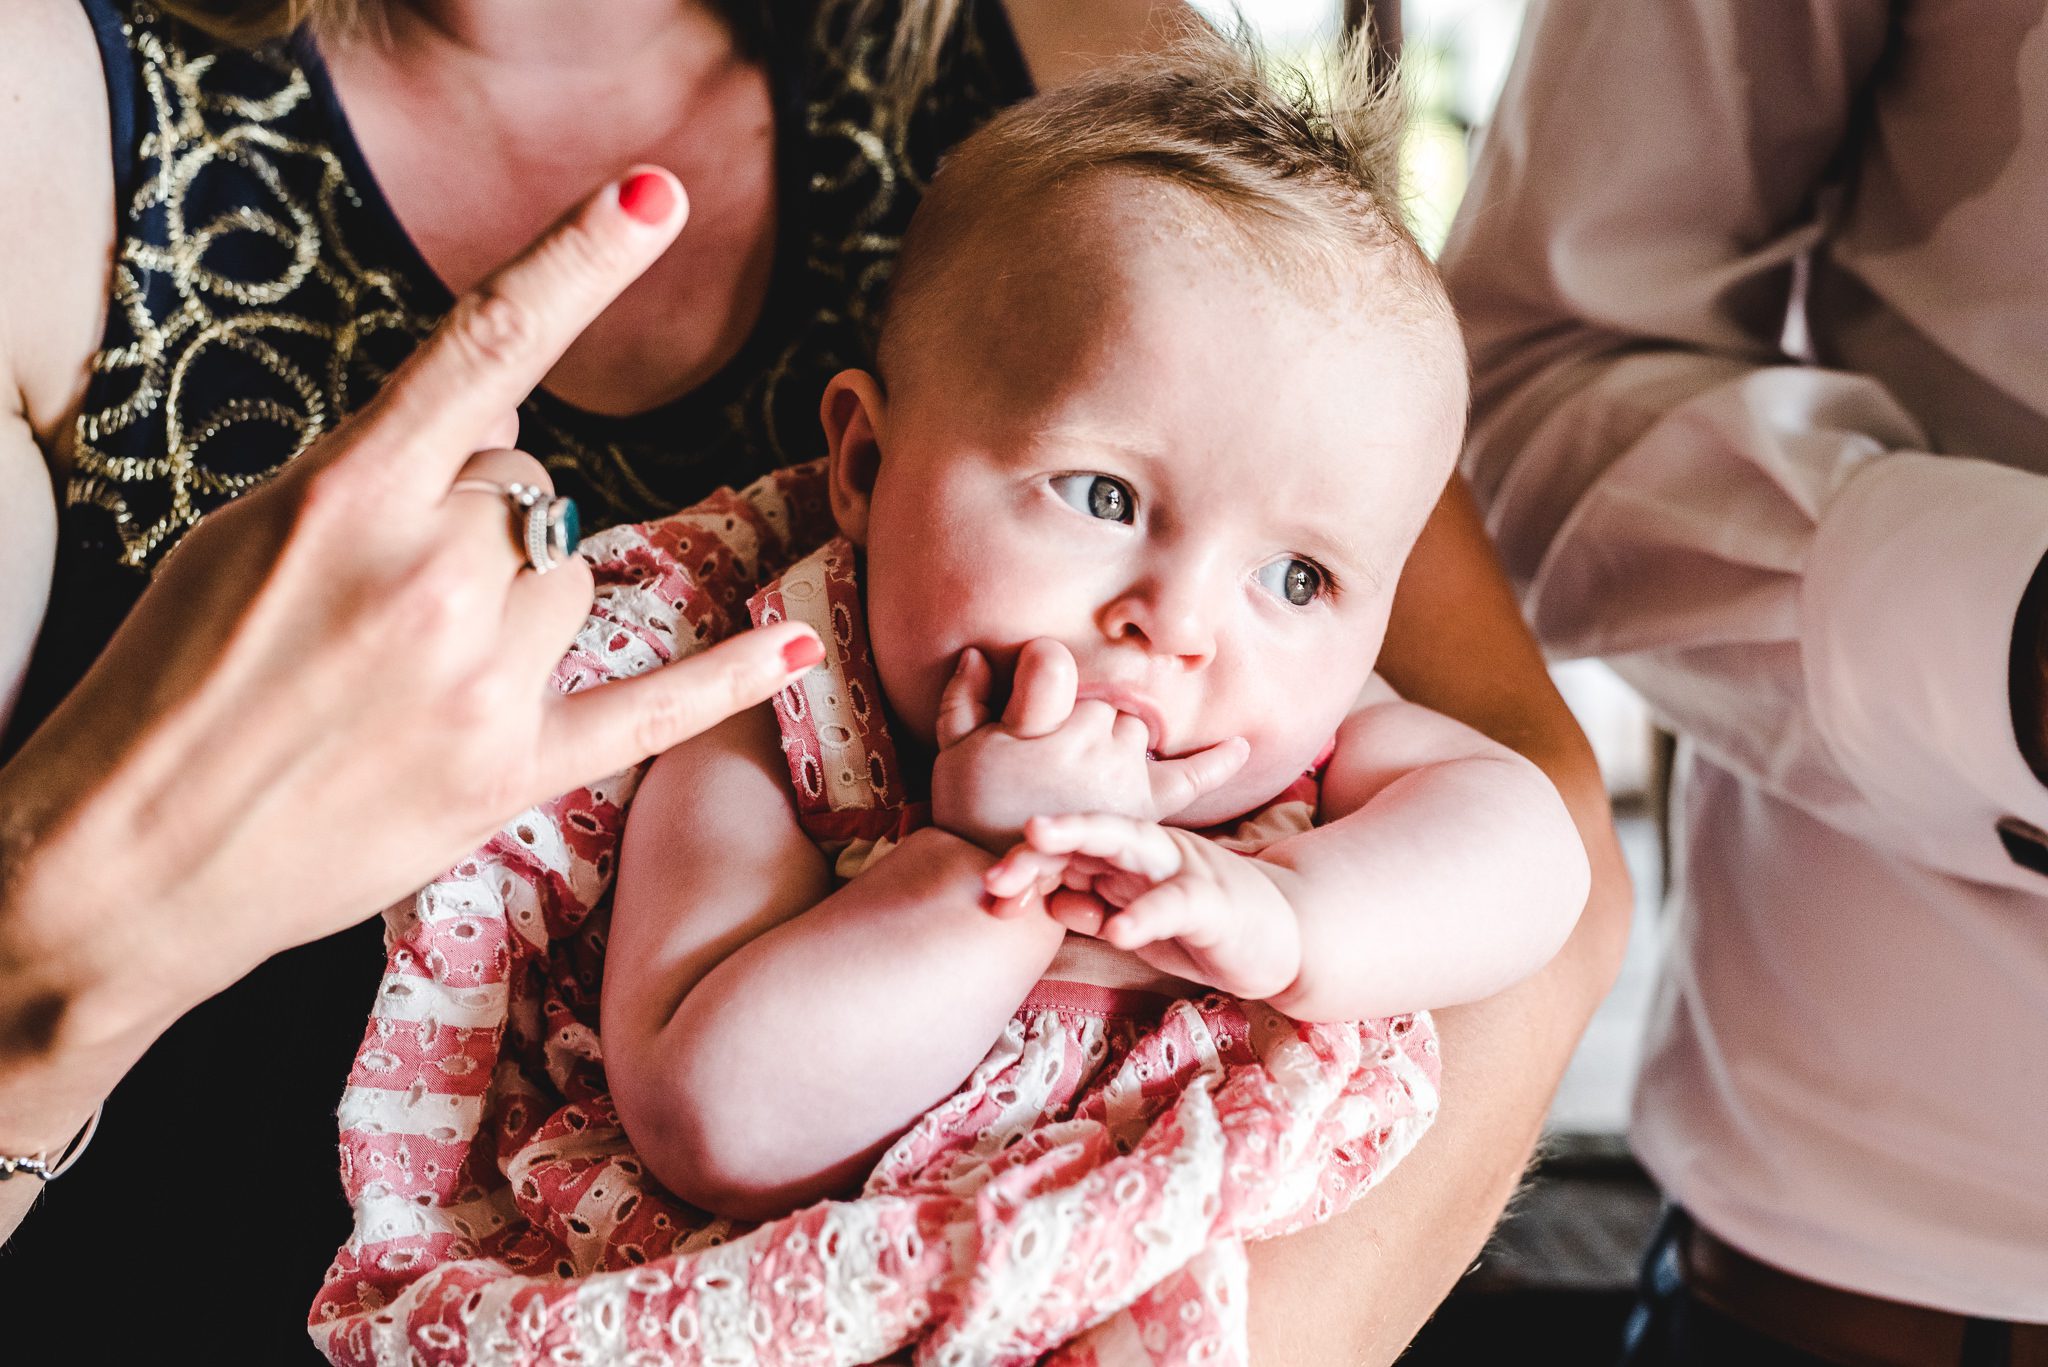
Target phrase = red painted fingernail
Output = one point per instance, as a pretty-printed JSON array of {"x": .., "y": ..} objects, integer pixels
[
  {"x": 803, "y": 653},
  {"x": 647, "y": 197}
]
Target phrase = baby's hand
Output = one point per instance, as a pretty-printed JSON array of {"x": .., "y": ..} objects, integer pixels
[
  {"x": 1181, "y": 902},
  {"x": 1050, "y": 754}
]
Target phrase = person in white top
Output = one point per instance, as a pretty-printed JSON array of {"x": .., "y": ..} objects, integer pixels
[{"x": 1758, "y": 302}]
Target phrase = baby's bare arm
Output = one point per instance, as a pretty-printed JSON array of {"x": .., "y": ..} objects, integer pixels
[
  {"x": 1445, "y": 869},
  {"x": 765, "y": 1036}
]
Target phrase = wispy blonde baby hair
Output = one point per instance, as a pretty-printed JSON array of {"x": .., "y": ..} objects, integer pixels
[{"x": 1304, "y": 167}]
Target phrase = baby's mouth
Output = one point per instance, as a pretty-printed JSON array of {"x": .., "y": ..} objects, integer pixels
[{"x": 1135, "y": 705}]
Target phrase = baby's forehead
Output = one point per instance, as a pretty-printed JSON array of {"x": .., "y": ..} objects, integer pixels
[
  {"x": 1083, "y": 247},
  {"x": 1105, "y": 223},
  {"x": 1130, "y": 314}
]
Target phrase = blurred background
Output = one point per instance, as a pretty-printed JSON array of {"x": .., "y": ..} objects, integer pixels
[{"x": 1558, "y": 1275}]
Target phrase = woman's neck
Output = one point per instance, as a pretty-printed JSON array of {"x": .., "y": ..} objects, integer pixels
[
  {"x": 559, "y": 36},
  {"x": 535, "y": 84},
  {"x": 532, "y": 103}
]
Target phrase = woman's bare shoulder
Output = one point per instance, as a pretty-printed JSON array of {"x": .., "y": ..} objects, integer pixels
[
  {"x": 1062, "y": 39},
  {"x": 57, "y": 217}
]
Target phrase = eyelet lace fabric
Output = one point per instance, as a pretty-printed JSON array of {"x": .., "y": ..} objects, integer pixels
[{"x": 1083, "y": 1199}]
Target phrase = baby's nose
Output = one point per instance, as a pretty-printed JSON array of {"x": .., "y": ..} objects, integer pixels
[{"x": 1165, "y": 619}]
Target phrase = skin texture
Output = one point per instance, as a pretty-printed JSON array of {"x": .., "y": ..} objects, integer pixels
[
  {"x": 1454, "y": 643},
  {"x": 1110, "y": 527}
]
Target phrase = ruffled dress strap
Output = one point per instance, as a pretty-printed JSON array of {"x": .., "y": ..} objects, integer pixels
[{"x": 843, "y": 768}]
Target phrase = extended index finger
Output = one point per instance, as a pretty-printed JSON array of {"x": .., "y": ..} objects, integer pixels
[{"x": 503, "y": 336}]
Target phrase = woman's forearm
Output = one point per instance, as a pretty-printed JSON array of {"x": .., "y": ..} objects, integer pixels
[
  {"x": 78, "y": 1001},
  {"x": 868, "y": 1008},
  {"x": 1357, "y": 1290},
  {"x": 1401, "y": 1249}
]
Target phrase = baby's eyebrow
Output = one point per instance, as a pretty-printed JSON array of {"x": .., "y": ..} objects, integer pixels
[
  {"x": 1061, "y": 434},
  {"x": 1343, "y": 555}
]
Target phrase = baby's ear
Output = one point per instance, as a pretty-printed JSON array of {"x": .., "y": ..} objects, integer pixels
[{"x": 853, "y": 410}]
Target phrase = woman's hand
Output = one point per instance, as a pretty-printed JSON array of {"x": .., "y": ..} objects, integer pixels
[{"x": 333, "y": 689}]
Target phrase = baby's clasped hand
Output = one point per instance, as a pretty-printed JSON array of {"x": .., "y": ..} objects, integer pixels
[
  {"x": 1050, "y": 754},
  {"x": 1178, "y": 900}
]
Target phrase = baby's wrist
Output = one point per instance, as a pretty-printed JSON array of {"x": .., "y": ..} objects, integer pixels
[
  {"x": 965, "y": 811},
  {"x": 1271, "y": 929},
  {"x": 1286, "y": 883},
  {"x": 990, "y": 839},
  {"x": 942, "y": 843}
]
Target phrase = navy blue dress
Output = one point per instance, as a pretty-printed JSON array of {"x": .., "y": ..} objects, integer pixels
[{"x": 262, "y": 291}]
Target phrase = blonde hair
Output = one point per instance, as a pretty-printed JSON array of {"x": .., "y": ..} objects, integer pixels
[{"x": 1305, "y": 167}]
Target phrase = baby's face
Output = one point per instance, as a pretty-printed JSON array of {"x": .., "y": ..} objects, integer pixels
[{"x": 1201, "y": 485}]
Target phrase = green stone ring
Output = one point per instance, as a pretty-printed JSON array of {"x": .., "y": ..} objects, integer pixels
[
  {"x": 545, "y": 526},
  {"x": 551, "y": 529}
]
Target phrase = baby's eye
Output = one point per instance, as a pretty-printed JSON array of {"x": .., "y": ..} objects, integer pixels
[
  {"x": 1298, "y": 581},
  {"x": 1097, "y": 495}
]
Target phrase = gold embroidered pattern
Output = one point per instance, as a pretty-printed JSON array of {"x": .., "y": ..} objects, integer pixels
[{"x": 260, "y": 296}]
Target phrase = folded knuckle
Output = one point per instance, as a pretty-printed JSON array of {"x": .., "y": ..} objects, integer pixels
[
  {"x": 475, "y": 705},
  {"x": 667, "y": 717},
  {"x": 495, "y": 329},
  {"x": 331, "y": 499},
  {"x": 437, "y": 598},
  {"x": 587, "y": 254},
  {"x": 499, "y": 779}
]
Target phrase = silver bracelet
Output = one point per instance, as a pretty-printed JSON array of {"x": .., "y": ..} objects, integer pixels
[{"x": 40, "y": 1165}]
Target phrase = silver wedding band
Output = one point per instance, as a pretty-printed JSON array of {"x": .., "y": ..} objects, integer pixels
[{"x": 546, "y": 527}]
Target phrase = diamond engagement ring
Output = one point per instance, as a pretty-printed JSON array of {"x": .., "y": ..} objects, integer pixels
[{"x": 545, "y": 526}]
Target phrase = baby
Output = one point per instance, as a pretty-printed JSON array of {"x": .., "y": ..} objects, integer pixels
[{"x": 1164, "y": 396}]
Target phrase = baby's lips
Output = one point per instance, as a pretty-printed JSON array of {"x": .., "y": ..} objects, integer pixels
[{"x": 1131, "y": 704}]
